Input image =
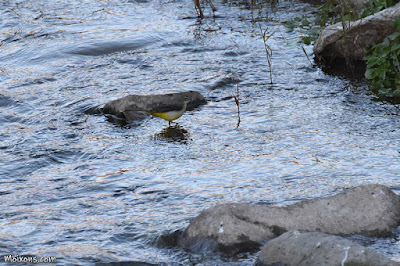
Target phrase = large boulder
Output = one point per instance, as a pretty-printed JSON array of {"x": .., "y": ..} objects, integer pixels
[
  {"x": 309, "y": 249},
  {"x": 352, "y": 40},
  {"x": 131, "y": 108},
  {"x": 370, "y": 210}
]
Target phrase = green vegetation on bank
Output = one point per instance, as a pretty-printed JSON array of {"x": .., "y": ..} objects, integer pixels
[
  {"x": 376, "y": 6},
  {"x": 383, "y": 60},
  {"x": 331, "y": 12},
  {"x": 383, "y": 65}
]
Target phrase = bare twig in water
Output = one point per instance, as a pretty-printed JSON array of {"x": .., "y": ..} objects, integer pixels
[
  {"x": 211, "y": 5},
  {"x": 198, "y": 8},
  {"x": 268, "y": 49},
  {"x": 237, "y": 104},
  {"x": 263, "y": 9},
  {"x": 15, "y": 12},
  {"x": 252, "y": 6},
  {"x": 304, "y": 51}
]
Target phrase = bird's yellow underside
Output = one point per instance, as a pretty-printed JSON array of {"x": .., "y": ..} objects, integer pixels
[{"x": 169, "y": 116}]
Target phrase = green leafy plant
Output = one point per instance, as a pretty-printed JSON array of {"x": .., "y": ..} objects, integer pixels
[
  {"x": 335, "y": 11},
  {"x": 383, "y": 65},
  {"x": 331, "y": 12},
  {"x": 375, "y": 6}
]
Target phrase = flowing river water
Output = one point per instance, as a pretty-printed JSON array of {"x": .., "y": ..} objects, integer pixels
[{"x": 83, "y": 189}]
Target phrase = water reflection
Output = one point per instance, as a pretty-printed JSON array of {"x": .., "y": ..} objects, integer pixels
[{"x": 174, "y": 133}]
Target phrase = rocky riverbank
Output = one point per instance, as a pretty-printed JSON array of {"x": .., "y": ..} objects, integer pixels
[
  {"x": 351, "y": 40},
  {"x": 370, "y": 210}
]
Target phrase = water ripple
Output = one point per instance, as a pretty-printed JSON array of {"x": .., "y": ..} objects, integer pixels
[{"x": 85, "y": 190}]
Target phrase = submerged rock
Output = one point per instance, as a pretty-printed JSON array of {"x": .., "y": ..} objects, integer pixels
[
  {"x": 370, "y": 210},
  {"x": 315, "y": 248},
  {"x": 352, "y": 40},
  {"x": 131, "y": 108}
]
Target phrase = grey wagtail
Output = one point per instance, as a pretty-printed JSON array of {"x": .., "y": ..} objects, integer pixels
[{"x": 169, "y": 112}]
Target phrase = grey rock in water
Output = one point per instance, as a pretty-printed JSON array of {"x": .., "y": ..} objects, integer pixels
[
  {"x": 370, "y": 210},
  {"x": 315, "y": 248},
  {"x": 132, "y": 107},
  {"x": 352, "y": 40}
]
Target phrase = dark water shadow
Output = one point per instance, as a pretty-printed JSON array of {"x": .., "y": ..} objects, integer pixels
[
  {"x": 174, "y": 133},
  {"x": 351, "y": 70}
]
